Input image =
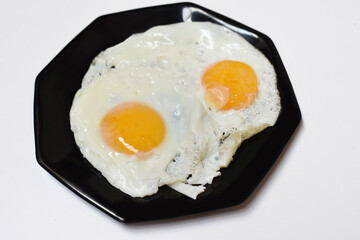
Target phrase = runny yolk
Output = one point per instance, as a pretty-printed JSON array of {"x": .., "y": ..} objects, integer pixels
[
  {"x": 230, "y": 85},
  {"x": 132, "y": 128}
]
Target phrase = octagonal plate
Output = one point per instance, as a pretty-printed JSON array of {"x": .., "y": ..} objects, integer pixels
[{"x": 57, "y": 152}]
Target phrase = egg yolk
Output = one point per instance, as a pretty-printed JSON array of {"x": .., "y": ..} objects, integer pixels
[
  {"x": 132, "y": 128},
  {"x": 230, "y": 85}
]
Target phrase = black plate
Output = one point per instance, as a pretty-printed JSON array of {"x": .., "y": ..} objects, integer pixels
[{"x": 57, "y": 152}]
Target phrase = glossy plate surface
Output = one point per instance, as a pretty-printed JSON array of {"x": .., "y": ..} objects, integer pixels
[{"x": 57, "y": 152}]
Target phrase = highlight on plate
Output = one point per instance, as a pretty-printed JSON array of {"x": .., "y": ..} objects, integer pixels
[{"x": 170, "y": 106}]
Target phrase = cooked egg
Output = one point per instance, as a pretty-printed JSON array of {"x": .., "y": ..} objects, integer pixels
[{"x": 171, "y": 106}]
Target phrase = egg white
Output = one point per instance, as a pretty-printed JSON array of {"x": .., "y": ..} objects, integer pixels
[{"x": 162, "y": 68}]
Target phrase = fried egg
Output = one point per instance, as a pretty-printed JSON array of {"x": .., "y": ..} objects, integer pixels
[{"x": 170, "y": 106}]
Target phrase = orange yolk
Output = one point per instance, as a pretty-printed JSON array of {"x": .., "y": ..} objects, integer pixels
[
  {"x": 230, "y": 85},
  {"x": 132, "y": 128}
]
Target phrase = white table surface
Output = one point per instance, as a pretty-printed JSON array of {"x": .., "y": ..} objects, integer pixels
[{"x": 312, "y": 193}]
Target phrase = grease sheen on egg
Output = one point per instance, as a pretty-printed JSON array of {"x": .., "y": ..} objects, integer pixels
[{"x": 167, "y": 106}]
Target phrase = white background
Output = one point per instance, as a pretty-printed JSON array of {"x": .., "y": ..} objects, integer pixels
[{"x": 312, "y": 193}]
